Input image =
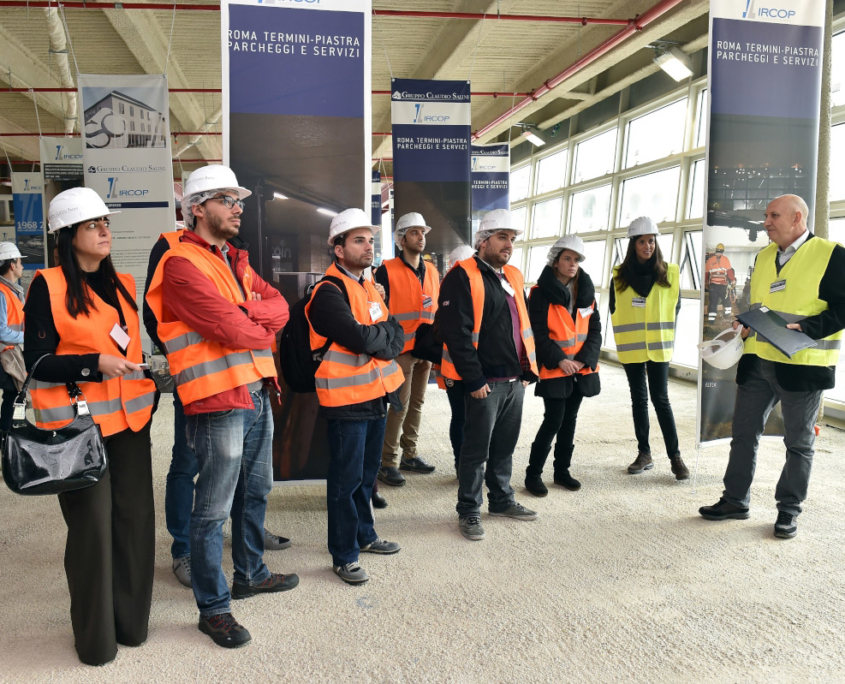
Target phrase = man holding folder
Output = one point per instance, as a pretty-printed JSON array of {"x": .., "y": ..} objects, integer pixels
[{"x": 800, "y": 277}]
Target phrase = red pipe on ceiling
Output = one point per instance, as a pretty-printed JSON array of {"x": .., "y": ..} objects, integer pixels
[
  {"x": 174, "y": 160},
  {"x": 60, "y": 134},
  {"x": 600, "y": 50},
  {"x": 219, "y": 90}
]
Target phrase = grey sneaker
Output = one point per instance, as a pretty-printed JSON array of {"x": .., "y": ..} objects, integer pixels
[
  {"x": 182, "y": 570},
  {"x": 517, "y": 512},
  {"x": 273, "y": 542},
  {"x": 471, "y": 527},
  {"x": 381, "y": 546},
  {"x": 351, "y": 573},
  {"x": 786, "y": 526}
]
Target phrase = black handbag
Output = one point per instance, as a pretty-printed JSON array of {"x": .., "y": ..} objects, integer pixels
[{"x": 37, "y": 461}]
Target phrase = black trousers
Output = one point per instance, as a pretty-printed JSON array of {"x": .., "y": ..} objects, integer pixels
[
  {"x": 457, "y": 397},
  {"x": 558, "y": 421},
  {"x": 110, "y": 551},
  {"x": 658, "y": 387},
  {"x": 7, "y": 406}
]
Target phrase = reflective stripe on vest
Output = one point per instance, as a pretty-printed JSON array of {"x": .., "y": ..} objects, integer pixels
[
  {"x": 799, "y": 299},
  {"x": 116, "y": 404},
  {"x": 407, "y": 296},
  {"x": 646, "y": 333},
  {"x": 202, "y": 368},
  {"x": 476, "y": 288},
  {"x": 343, "y": 377},
  {"x": 569, "y": 335}
]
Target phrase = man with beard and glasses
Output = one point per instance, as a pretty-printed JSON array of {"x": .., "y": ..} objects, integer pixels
[
  {"x": 217, "y": 320},
  {"x": 411, "y": 287},
  {"x": 489, "y": 346},
  {"x": 356, "y": 379}
]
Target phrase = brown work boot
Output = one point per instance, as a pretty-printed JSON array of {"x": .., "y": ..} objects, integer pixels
[
  {"x": 679, "y": 468},
  {"x": 642, "y": 463}
]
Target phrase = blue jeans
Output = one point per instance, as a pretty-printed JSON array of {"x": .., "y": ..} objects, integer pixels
[
  {"x": 354, "y": 459},
  {"x": 179, "y": 494},
  {"x": 234, "y": 451}
]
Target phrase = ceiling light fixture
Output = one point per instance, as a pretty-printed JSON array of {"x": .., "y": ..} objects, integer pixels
[
  {"x": 327, "y": 212},
  {"x": 673, "y": 61},
  {"x": 530, "y": 136},
  {"x": 279, "y": 196}
]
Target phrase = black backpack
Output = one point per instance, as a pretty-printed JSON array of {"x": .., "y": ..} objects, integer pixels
[{"x": 298, "y": 362}]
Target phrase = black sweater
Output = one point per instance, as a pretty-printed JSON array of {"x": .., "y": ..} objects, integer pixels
[{"x": 550, "y": 290}]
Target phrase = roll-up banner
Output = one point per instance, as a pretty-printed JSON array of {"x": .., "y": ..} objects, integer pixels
[
  {"x": 61, "y": 164},
  {"x": 375, "y": 208},
  {"x": 764, "y": 88},
  {"x": 296, "y": 131},
  {"x": 490, "y": 179},
  {"x": 431, "y": 156},
  {"x": 27, "y": 203},
  {"x": 127, "y": 161}
]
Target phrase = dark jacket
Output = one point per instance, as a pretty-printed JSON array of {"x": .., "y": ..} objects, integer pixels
[
  {"x": 331, "y": 316},
  {"x": 496, "y": 354},
  {"x": 550, "y": 290},
  {"x": 810, "y": 378}
]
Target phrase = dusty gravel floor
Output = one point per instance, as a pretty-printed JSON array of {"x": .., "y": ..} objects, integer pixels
[{"x": 620, "y": 582}]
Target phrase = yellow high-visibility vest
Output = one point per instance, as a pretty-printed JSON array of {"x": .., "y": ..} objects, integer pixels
[
  {"x": 645, "y": 330},
  {"x": 795, "y": 296}
]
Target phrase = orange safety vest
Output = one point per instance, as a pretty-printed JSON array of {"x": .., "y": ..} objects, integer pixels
[
  {"x": 568, "y": 334},
  {"x": 343, "y": 377},
  {"x": 172, "y": 237},
  {"x": 476, "y": 288},
  {"x": 14, "y": 310},
  {"x": 115, "y": 403},
  {"x": 202, "y": 368},
  {"x": 408, "y": 299},
  {"x": 718, "y": 267}
]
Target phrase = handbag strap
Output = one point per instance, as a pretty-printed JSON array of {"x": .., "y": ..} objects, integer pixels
[{"x": 72, "y": 389}]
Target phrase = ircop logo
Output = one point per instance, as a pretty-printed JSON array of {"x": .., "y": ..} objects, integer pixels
[
  {"x": 766, "y": 12},
  {"x": 115, "y": 192}
]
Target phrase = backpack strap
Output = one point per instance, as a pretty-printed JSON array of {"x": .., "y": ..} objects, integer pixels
[{"x": 337, "y": 282}]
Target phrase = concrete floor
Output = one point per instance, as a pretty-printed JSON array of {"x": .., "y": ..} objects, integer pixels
[{"x": 620, "y": 582}]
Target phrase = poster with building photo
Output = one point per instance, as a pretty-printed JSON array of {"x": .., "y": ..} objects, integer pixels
[
  {"x": 297, "y": 133},
  {"x": 62, "y": 168},
  {"x": 27, "y": 189},
  {"x": 764, "y": 89},
  {"x": 126, "y": 159}
]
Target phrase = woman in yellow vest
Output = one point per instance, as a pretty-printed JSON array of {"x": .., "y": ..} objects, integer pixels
[
  {"x": 82, "y": 315},
  {"x": 567, "y": 334},
  {"x": 11, "y": 321},
  {"x": 644, "y": 305}
]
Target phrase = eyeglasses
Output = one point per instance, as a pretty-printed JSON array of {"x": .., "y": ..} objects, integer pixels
[{"x": 229, "y": 202}]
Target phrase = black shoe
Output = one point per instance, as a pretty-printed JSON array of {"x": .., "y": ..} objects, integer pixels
[
  {"x": 379, "y": 501},
  {"x": 724, "y": 510},
  {"x": 786, "y": 526},
  {"x": 224, "y": 630},
  {"x": 391, "y": 476},
  {"x": 416, "y": 465},
  {"x": 679, "y": 468},
  {"x": 534, "y": 484},
  {"x": 641, "y": 462},
  {"x": 565, "y": 480},
  {"x": 275, "y": 582}
]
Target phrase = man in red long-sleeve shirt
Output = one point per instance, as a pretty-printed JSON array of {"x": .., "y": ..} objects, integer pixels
[{"x": 217, "y": 320}]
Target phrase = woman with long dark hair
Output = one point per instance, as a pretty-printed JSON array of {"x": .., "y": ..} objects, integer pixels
[
  {"x": 644, "y": 305},
  {"x": 567, "y": 335},
  {"x": 82, "y": 317}
]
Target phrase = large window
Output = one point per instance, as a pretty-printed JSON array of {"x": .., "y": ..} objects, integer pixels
[
  {"x": 536, "y": 261},
  {"x": 837, "y": 70},
  {"x": 520, "y": 182},
  {"x": 595, "y": 251},
  {"x": 656, "y": 135},
  {"x": 594, "y": 156},
  {"x": 654, "y": 195},
  {"x": 546, "y": 222},
  {"x": 837, "y": 162},
  {"x": 590, "y": 210},
  {"x": 695, "y": 209},
  {"x": 701, "y": 120},
  {"x": 551, "y": 172},
  {"x": 518, "y": 217}
]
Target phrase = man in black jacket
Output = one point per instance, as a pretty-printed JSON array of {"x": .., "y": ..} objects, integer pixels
[
  {"x": 803, "y": 277},
  {"x": 494, "y": 374},
  {"x": 356, "y": 430}
]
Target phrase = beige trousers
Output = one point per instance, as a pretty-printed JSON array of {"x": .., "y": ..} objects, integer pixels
[{"x": 407, "y": 421}]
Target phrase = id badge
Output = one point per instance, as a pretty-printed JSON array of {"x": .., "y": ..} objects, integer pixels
[
  {"x": 587, "y": 311},
  {"x": 427, "y": 302},
  {"x": 375, "y": 311},
  {"x": 777, "y": 286},
  {"x": 638, "y": 302},
  {"x": 506, "y": 286},
  {"x": 119, "y": 335}
]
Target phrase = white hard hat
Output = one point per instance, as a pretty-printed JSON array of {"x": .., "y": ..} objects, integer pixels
[
  {"x": 75, "y": 205},
  {"x": 460, "y": 253},
  {"x": 350, "y": 220},
  {"x": 9, "y": 250},
  {"x": 411, "y": 220},
  {"x": 642, "y": 225},
  {"x": 496, "y": 220},
  {"x": 570, "y": 242},
  {"x": 213, "y": 177},
  {"x": 724, "y": 350}
]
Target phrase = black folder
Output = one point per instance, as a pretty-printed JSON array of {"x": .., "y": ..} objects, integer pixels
[{"x": 772, "y": 328}]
